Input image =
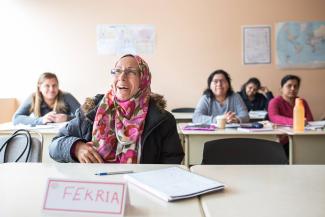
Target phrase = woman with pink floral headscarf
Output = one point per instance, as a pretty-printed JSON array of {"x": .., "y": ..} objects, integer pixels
[{"x": 128, "y": 124}]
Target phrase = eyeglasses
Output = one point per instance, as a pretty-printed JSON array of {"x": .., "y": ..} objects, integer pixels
[
  {"x": 128, "y": 72},
  {"x": 221, "y": 81}
]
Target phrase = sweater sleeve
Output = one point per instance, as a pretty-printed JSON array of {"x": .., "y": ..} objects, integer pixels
[
  {"x": 201, "y": 113},
  {"x": 62, "y": 145},
  {"x": 240, "y": 109},
  {"x": 269, "y": 96},
  {"x": 274, "y": 113},
  {"x": 72, "y": 103},
  {"x": 23, "y": 115}
]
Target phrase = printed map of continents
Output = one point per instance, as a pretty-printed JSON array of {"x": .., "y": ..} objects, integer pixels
[{"x": 300, "y": 44}]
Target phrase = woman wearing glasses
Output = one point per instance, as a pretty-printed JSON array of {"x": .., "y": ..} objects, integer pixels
[
  {"x": 220, "y": 99},
  {"x": 126, "y": 125}
]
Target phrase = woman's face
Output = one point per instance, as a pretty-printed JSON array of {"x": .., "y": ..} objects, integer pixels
[
  {"x": 219, "y": 85},
  {"x": 251, "y": 89},
  {"x": 49, "y": 89},
  {"x": 127, "y": 81},
  {"x": 290, "y": 89}
]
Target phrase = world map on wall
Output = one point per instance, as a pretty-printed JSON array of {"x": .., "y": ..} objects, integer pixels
[{"x": 300, "y": 44}]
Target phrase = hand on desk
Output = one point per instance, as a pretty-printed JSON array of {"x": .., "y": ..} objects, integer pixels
[
  {"x": 53, "y": 117},
  {"x": 86, "y": 153},
  {"x": 231, "y": 117}
]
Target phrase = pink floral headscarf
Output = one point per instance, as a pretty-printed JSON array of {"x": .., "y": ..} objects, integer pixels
[{"x": 118, "y": 125}]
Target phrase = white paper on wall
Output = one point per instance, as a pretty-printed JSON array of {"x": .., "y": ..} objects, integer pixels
[{"x": 122, "y": 39}]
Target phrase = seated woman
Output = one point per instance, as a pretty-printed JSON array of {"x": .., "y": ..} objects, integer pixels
[
  {"x": 220, "y": 99},
  {"x": 254, "y": 95},
  {"x": 126, "y": 125},
  {"x": 280, "y": 109},
  {"x": 47, "y": 105}
]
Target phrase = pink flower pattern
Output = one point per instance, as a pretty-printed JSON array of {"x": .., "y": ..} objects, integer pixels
[{"x": 118, "y": 125}]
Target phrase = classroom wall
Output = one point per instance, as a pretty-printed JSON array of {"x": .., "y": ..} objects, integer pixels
[
  {"x": 8, "y": 107},
  {"x": 194, "y": 37}
]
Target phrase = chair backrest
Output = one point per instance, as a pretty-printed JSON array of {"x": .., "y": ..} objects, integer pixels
[
  {"x": 186, "y": 110},
  {"x": 20, "y": 149},
  {"x": 241, "y": 151}
]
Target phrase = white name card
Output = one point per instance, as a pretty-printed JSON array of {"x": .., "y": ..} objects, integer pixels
[{"x": 85, "y": 196}]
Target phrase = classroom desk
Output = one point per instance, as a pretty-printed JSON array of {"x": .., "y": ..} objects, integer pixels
[
  {"x": 194, "y": 140},
  {"x": 182, "y": 117},
  {"x": 306, "y": 147},
  {"x": 265, "y": 190},
  {"x": 7, "y": 129},
  {"x": 23, "y": 187}
]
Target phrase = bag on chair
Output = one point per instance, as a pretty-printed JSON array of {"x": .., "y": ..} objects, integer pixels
[{"x": 20, "y": 147}]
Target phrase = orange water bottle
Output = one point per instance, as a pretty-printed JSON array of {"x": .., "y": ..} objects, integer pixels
[{"x": 299, "y": 115}]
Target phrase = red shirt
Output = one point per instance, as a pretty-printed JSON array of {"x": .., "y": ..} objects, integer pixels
[{"x": 281, "y": 112}]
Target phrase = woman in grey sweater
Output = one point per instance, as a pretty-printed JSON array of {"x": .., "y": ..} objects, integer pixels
[
  {"x": 220, "y": 99},
  {"x": 48, "y": 104}
]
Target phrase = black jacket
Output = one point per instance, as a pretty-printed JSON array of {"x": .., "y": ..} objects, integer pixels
[
  {"x": 260, "y": 101},
  {"x": 160, "y": 143}
]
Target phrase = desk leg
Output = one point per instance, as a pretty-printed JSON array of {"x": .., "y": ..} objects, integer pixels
[
  {"x": 290, "y": 149},
  {"x": 187, "y": 153},
  {"x": 47, "y": 139}
]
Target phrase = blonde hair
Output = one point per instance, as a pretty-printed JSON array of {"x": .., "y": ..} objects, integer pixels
[{"x": 37, "y": 99}]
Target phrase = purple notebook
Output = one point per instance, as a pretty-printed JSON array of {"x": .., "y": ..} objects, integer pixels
[{"x": 207, "y": 127}]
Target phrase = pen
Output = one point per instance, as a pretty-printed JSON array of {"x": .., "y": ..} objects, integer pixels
[{"x": 113, "y": 173}]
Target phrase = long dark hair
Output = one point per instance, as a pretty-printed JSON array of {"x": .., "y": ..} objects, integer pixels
[
  {"x": 254, "y": 81},
  {"x": 208, "y": 92}
]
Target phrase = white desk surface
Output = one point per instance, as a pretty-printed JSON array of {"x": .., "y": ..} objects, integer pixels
[
  {"x": 23, "y": 185},
  {"x": 265, "y": 190},
  {"x": 290, "y": 131}
]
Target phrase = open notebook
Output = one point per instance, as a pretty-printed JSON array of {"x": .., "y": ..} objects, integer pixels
[{"x": 173, "y": 183}]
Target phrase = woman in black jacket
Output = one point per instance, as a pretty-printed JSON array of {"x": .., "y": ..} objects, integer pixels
[
  {"x": 254, "y": 95},
  {"x": 126, "y": 125}
]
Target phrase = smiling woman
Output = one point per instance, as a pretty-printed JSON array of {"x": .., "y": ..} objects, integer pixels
[
  {"x": 220, "y": 99},
  {"x": 126, "y": 125},
  {"x": 48, "y": 104},
  {"x": 126, "y": 78}
]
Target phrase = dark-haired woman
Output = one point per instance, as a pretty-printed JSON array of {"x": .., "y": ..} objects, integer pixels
[
  {"x": 220, "y": 99},
  {"x": 254, "y": 95},
  {"x": 128, "y": 124},
  {"x": 280, "y": 108}
]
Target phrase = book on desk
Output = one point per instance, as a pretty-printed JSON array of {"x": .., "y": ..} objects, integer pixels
[
  {"x": 200, "y": 126},
  {"x": 173, "y": 183}
]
